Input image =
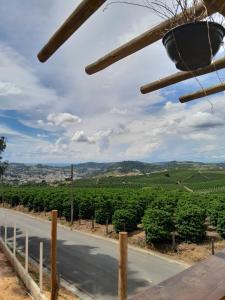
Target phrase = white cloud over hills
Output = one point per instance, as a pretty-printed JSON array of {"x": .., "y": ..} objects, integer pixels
[{"x": 64, "y": 115}]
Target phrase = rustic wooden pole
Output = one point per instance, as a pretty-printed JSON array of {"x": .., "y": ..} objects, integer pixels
[
  {"x": 5, "y": 232},
  {"x": 181, "y": 76},
  {"x": 83, "y": 11},
  {"x": 72, "y": 204},
  {"x": 147, "y": 38},
  {"x": 122, "y": 286},
  {"x": 14, "y": 240},
  {"x": 26, "y": 251},
  {"x": 54, "y": 284},
  {"x": 107, "y": 226},
  {"x": 92, "y": 222},
  {"x": 41, "y": 267},
  {"x": 200, "y": 94},
  {"x": 213, "y": 247},
  {"x": 218, "y": 5}
]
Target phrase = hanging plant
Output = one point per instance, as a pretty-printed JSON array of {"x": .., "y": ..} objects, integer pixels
[{"x": 194, "y": 43}]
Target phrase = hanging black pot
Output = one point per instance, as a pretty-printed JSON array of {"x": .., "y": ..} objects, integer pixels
[{"x": 189, "y": 45}]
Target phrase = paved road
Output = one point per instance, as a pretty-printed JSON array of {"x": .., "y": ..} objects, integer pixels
[{"x": 88, "y": 262}]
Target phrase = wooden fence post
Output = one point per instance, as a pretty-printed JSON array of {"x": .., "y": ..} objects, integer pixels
[
  {"x": 26, "y": 252},
  {"x": 107, "y": 226},
  {"x": 54, "y": 284},
  {"x": 92, "y": 222},
  {"x": 5, "y": 232},
  {"x": 213, "y": 247},
  {"x": 14, "y": 240},
  {"x": 72, "y": 204},
  {"x": 41, "y": 268},
  {"x": 122, "y": 286}
]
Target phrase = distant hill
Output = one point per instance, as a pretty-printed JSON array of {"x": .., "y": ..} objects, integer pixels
[{"x": 123, "y": 167}]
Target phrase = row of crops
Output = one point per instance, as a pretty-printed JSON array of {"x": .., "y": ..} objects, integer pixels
[{"x": 159, "y": 211}]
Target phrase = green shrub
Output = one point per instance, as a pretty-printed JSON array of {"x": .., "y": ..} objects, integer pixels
[
  {"x": 86, "y": 209},
  {"x": 221, "y": 223},
  {"x": 215, "y": 207},
  {"x": 190, "y": 221},
  {"x": 158, "y": 225},
  {"x": 124, "y": 220},
  {"x": 103, "y": 210}
]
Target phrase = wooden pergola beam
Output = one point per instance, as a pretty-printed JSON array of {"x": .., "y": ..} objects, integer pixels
[
  {"x": 218, "y": 5},
  {"x": 181, "y": 76},
  {"x": 84, "y": 10},
  {"x": 200, "y": 94},
  {"x": 147, "y": 38}
]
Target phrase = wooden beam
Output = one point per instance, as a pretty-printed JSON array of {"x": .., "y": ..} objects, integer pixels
[
  {"x": 84, "y": 10},
  {"x": 147, "y": 38},
  {"x": 200, "y": 94},
  {"x": 218, "y": 5},
  {"x": 181, "y": 76}
]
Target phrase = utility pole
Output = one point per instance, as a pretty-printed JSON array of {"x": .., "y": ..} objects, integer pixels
[
  {"x": 2, "y": 189},
  {"x": 72, "y": 205}
]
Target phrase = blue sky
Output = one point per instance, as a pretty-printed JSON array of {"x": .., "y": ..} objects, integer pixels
[{"x": 55, "y": 113}]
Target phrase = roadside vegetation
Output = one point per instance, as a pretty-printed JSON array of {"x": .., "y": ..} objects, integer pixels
[{"x": 158, "y": 203}]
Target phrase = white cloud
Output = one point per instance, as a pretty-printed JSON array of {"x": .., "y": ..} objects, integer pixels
[
  {"x": 81, "y": 137},
  {"x": 19, "y": 79},
  {"x": 8, "y": 88},
  {"x": 62, "y": 119},
  {"x": 118, "y": 123},
  {"x": 118, "y": 111}
]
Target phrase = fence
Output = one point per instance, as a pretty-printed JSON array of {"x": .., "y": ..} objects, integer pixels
[{"x": 8, "y": 243}]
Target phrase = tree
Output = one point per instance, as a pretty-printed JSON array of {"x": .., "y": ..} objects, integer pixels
[
  {"x": 124, "y": 220},
  {"x": 103, "y": 211},
  {"x": 190, "y": 221},
  {"x": 158, "y": 225}
]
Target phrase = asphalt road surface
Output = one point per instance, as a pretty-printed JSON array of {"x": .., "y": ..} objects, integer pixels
[{"x": 87, "y": 262}]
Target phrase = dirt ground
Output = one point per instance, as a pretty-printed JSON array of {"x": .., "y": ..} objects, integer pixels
[
  {"x": 11, "y": 287},
  {"x": 188, "y": 253}
]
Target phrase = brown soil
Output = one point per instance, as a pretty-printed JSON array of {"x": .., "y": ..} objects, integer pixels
[
  {"x": 189, "y": 253},
  {"x": 11, "y": 287}
]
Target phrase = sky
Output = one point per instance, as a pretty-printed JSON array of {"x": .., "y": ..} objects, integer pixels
[{"x": 56, "y": 113}]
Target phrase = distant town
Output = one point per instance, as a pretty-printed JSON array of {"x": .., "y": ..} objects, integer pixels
[{"x": 19, "y": 174}]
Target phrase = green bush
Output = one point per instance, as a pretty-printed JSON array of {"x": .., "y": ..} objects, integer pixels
[
  {"x": 158, "y": 225},
  {"x": 103, "y": 210},
  {"x": 124, "y": 220},
  {"x": 221, "y": 223},
  {"x": 215, "y": 207},
  {"x": 190, "y": 221},
  {"x": 86, "y": 209}
]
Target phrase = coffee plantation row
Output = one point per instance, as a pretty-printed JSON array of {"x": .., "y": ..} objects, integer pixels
[{"x": 160, "y": 211}]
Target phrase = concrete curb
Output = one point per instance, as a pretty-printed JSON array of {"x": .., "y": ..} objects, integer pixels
[
  {"x": 25, "y": 277},
  {"x": 132, "y": 247},
  {"x": 70, "y": 287}
]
